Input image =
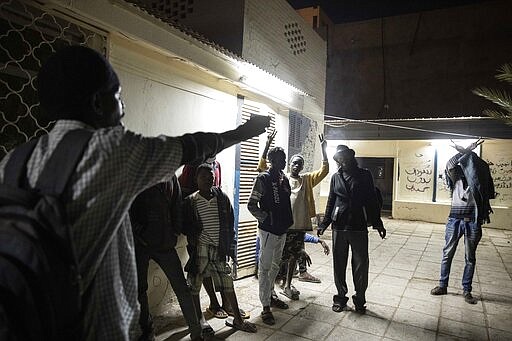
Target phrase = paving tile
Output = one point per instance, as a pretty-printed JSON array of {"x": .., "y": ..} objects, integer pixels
[
  {"x": 400, "y": 331},
  {"x": 501, "y": 321},
  {"x": 416, "y": 319},
  {"x": 463, "y": 315},
  {"x": 499, "y": 335},
  {"x": 430, "y": 306},
  {"x": 281, "y": 336},
  {"x": 460, "y": 329},
  {"x": 307, "y": 328},
  {"x": 366, "y": 323},
  {"x": 321, "y": 313},
  {"x": 347, "y": 334}
]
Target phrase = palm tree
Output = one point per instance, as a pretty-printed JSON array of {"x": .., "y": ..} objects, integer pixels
[{"x": 500, "y": 97}]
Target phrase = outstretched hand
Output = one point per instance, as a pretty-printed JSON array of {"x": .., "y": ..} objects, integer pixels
[
  {"x": 467, "y": 150},
  {"x": 382, "y": 232},
  {"x": 270, "y": 137},
  {"x": 320, "y": 231},
  {"x": 326, "y": 247},
  {"x": 323, "y": 142}
]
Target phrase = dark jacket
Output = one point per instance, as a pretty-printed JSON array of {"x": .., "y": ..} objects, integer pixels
[
  {"x": 194, "y": 227},
  {"x": 478, "y": 177},
  {"x": 353, "y": 205},
  {"x": 275, "y": 192},
  {"x": 156, "y": 216}
]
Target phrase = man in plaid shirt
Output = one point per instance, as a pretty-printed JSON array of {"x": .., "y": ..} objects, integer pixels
[{"x": 78, "y": 87}]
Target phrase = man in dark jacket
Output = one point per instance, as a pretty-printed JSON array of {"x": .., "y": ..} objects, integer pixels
[
  {"x": 352, "y": 206},
  {"x": 270, "y": 204},
  {"x": 156, "y": 222},
  {"x": 209, "y": 218},
  {"x": 471, "y": 185}
]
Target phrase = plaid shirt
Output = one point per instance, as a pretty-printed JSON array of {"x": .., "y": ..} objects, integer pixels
[{"x": 116, "y": 166}]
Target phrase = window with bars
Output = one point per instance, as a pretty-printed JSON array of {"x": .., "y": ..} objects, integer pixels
[{"x": 29, "y": 35}]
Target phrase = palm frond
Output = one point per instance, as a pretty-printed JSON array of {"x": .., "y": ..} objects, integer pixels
[
  {"x": 505, "y": 73},
  {"x": 499, "y": 97},
  {"x": 499, "y": 115}
]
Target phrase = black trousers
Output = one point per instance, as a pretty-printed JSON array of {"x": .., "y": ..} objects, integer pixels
[
  {"x": 170, "y": 263},
  {"x": 358, "y": 243}
]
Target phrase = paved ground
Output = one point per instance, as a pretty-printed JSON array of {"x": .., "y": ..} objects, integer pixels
[{"x": 403, "y": 269}]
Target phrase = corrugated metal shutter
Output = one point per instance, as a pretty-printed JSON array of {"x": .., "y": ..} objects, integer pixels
[{"x": 247, "y": 225}]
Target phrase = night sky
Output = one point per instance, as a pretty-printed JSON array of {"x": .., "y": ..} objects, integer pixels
[{"x": 341, "y": 11}]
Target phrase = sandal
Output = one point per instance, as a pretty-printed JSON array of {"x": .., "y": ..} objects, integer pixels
[
  {"x": 243, "y": 314},
  {"x": 276, "y": 302},
  {"x": 307, "y": 277},
  {"x": 291, "y": 293},
  {"x": 217, "y": 312},
  {"x": 247, "y": 327},
  {"x": 268, "y": 317},
  {"x": 338, "y": 308}
]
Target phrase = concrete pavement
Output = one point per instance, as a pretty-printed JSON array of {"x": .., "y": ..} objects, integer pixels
[{"x": 403, "y": 269}]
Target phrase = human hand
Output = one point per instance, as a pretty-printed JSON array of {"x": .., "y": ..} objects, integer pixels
[
  {"x": 256, "y": 125},
  {"x": 382, "y": 232},
  {"x": 320, "y": 231},
  {"x": 326, "y": 247},
  {"x": 323, "y": 142},
  {"x": 270, "y": 137},
  {"x": 303, "y": 254}
]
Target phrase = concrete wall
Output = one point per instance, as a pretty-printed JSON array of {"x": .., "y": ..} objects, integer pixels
[
  {"x": 415, "y": 172},
  {"x": 266, "y": 45},
  {"x": 429, "y": 62}
]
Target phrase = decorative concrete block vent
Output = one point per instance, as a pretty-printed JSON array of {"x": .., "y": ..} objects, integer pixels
[
  {"x": 173, "y": 10},
  {"x": 294, "y": 37}
]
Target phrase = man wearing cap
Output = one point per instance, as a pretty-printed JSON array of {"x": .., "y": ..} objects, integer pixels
[
  {"x": 352, "y": 206},
  {"x": 79, "y": 89}
]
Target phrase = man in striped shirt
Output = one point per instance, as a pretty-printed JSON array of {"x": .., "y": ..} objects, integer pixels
[
  {"x": 211, "y": 236},
  {"x": 471, "y": 187}
]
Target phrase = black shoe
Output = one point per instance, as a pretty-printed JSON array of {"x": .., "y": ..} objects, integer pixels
[
  {"x": 469, "y": 298},
  {"x": 359, "y": 304},
  {"x": 438, "y": 291},
  {"x": 276, "y": 302}
]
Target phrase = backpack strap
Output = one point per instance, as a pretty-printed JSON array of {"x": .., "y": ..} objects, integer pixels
[
  {"x": 16, "y": 167},
  {"x": 63, "y": 162}
]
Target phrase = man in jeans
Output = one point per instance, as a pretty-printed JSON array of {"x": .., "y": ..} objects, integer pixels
[
  {"x": 270, "y": 204},
  {"x": 471, "y": 185}
]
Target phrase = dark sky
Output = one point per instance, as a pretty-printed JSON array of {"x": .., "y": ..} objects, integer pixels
[{"x": 341, "y": 11}]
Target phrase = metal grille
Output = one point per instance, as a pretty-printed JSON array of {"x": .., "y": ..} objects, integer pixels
[
  {"x": 249, "y": 157},
  {"x": 28, "y": 36}
]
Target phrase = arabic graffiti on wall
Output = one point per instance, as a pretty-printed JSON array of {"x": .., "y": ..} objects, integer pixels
[{"x": 416, "y": 173}]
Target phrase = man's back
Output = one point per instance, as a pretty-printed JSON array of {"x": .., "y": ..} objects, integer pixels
[{"x": 115, "y": 166}]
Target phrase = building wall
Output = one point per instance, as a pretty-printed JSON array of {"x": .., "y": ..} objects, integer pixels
[
  {"x": 427, "y": 67},
  {"x": 265, "y": 44},
  {"x": 420, "y": 164}
]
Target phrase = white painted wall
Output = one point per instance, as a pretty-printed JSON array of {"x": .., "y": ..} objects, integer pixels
[{"x": 417, "y": 205}]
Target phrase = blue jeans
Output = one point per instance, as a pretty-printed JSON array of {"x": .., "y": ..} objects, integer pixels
[{"x": 455, "y": 229}]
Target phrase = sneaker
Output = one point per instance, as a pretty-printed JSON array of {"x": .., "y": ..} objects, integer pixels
[
  {"x": 438, "y": 291},
  {"x": 469, "y": 298},
  {"x": 277, "y": 303},
  {"x": 307, "y": 277}
]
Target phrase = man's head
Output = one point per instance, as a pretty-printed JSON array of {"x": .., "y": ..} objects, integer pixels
[
  {"x": 204, "y": 177},
  {"x": 296, "y": 164},
  {"x": 277, "y": 158},
  {"x": 345, "y": 157},
  {"x": 78, "y": 83}
]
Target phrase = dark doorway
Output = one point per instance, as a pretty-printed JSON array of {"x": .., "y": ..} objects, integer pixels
[{"x": 382, "y": 171}]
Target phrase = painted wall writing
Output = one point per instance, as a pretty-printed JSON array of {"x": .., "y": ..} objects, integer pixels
[
  {"x": 416, "y": 172},
  {"x": 499, "y": 158}
]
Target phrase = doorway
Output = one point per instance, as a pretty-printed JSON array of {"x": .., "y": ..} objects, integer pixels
[{"x": 382, "y": 171}]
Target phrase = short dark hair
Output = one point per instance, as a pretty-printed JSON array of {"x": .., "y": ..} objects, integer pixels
[
  {"x": 204, "y": 166},
  {"x": 299, "y": 156},
  {"x": 69, "y": 80},
  {"x": 273, "y": 152}
]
